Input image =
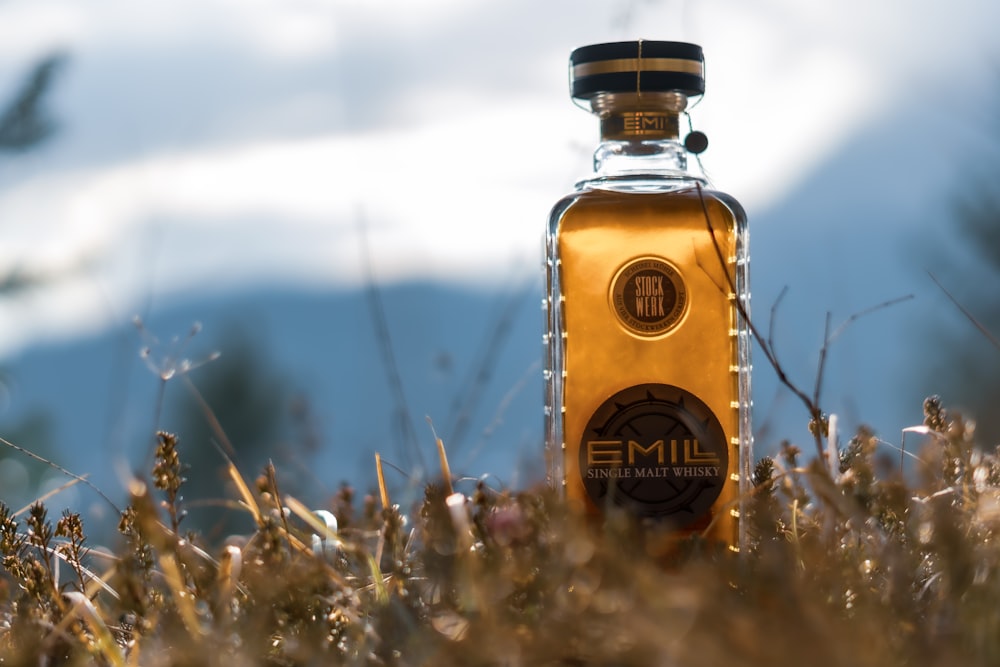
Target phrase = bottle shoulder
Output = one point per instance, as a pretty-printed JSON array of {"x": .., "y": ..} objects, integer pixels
[
  {"x": 592, "y": 208},
  {"x": 673, "y": 196},
  {"x": 731, "y": 203}
]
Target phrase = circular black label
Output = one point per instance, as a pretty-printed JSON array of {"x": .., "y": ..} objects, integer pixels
[
  {"x": 657, "y": 450},
  {"x": 648, "y": 296}
]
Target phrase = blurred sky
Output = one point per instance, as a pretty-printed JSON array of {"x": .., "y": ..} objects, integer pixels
[{"x": 218, "y": 144}]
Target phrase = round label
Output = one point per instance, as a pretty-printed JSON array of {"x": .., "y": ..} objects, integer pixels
[
  {"x": 657, "y": 450},
  {"x": 648, "y": 296}
]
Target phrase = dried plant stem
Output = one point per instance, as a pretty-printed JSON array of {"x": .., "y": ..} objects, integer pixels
[
  {"x": 224, "y": 447},
  {"x": 471, "y": 392},
  {"x": 79, "y": 478},
  {"x": 383, "y": 492},
  {"x": 410, "y": 444},
  {"x": 54, "y": 492},
  {"x": 443, "y": 459},
  {"x": 975, "y": 322}
]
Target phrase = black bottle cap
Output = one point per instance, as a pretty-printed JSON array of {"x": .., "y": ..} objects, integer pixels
[{"x": 637, "y": 67}]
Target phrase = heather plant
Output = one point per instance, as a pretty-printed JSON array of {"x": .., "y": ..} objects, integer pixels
[{"x": 852, "y": 560}]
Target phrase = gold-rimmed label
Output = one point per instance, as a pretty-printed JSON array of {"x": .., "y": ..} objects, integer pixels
[
  {"x": 619, "y": 65},
  {"x": 648, "y": 296}
]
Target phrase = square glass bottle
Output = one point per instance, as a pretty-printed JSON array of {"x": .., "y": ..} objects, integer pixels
[{"x": 647, "y": 344}]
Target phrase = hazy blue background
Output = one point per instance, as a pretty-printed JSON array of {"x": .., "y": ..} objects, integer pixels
[{"x": 258, "y": 166}]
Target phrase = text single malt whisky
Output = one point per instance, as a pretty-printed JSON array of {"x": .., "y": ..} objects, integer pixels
[{"x": 647, "y": 345}]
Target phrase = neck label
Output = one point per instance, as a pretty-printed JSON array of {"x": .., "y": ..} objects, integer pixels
[{"x": 626, "y": 125}]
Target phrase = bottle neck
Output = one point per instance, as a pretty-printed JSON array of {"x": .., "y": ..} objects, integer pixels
[
  {"x": 640, "y": 142},
  {"x": 649, "y": 160}
]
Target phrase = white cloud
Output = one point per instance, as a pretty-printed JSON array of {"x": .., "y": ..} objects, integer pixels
[
  {"x": 295, "y": 29},
  {"x": 439, "y": 186},
  {"x": 461, "y": 197}
]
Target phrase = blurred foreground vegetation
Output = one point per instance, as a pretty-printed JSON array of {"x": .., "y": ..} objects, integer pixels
[{"x": 848, "y": 564}]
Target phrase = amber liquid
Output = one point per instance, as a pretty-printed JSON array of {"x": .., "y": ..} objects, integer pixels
[{"x": 592, "y": 355}]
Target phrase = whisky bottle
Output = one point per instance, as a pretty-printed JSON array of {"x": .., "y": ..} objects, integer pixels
[{"x": 647, "y": 346}]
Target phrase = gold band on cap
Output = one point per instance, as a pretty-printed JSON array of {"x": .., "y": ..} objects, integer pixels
[{"x": 619, "y": 65}]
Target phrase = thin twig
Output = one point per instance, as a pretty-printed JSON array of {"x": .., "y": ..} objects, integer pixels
[
  {"x": 767, "y": 346},
  {"x": 498, "y": 414},
  {"x": 774, "y": 316},
  {"x": 64, "y": 471},
  {"x": 272, "y": 482},
  {"x": 443, "y": 458},
  {"x": 384, "y": 339},
  {"x": 225, "y": 448},
  {"x": 829, "y": 338},
  {"x": 382, "y": 490},
  {"x": 43, "y": 498},
  {"x": 867, "y": 311},
  {"x": 471, "y": 392},
  {"x": 820, "y": 372},
  {"x": 976, "y": 323}
]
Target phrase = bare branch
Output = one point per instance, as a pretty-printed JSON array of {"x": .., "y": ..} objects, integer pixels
[
  {"x": 821, "y": 364},
  {"x": 867, "y": 311},
  {"x": 764, "y": 344},
  {"x": 55, "y": 466},
  {"x": 382, "y": 336},
  {"x": 976, "y": 323},
  {"x": 811, "y": 403},
  {"x": 471, "y": 392}
]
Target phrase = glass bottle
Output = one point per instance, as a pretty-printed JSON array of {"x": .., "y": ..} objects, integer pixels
[{"x": 647, "y": 346}]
